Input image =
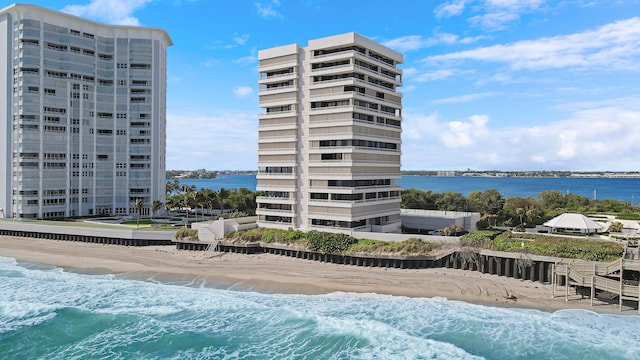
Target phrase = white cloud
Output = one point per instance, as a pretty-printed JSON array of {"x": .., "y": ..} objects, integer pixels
[
  {"x": 237, "y": 40},
  {"x": 246, "y": 60},
  {"x": 225, "y": 141},
  {"x": 268, "y": 11},
  {"x": 241, "y": 39},
  {"x": 435, "y": 75},
  {"x": 491, "y": 15},
  {"x": 615, "y": 46},
  {"x": 464, "y": 98},
  {"x": 114, "y": 12},
  {"x": 242, "y": 91},
  {"x": 416, "y": 42},
  {"x": 594, "y": 138},
  {"x": 494, "y": 21},
  {"x": 449, "y": 9},
  {"x": 464, "y": 133}
]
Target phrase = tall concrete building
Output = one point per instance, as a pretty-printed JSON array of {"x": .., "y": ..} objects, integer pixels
[
  {"x": 329, "y": 138},
  {"x": 82, "y": 115}
]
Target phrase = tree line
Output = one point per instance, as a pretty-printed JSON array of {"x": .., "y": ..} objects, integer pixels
[
  {"x": 494, "y": 208},
  {"x": 180, "y": 196},
  {"x": 513, "y": 211}
]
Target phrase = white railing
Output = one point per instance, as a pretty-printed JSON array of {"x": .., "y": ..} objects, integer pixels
[
  {"x": 265, "y": 77},
  {"x": 332, "y": 67}
]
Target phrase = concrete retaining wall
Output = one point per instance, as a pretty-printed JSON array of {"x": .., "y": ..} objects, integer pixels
[{"x": 86, "y": 234}]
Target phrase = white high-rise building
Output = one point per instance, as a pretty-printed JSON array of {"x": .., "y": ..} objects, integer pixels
[
  {"x": 82, "y": 115},
  {"x": 329, "y": 139}
]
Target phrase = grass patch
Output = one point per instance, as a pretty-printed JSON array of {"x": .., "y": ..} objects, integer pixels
[
  {"x": 546, "y": 245},
  {"x": 185, "y": 233},
  {"x": 409, "y": 247},
  {"x": 628, "y": 216}
]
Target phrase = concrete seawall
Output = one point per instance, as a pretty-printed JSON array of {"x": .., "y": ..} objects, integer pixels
[{"x": 126, "y": 237}]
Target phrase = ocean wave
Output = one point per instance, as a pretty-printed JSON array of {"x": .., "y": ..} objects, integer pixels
[{"x": 72, "y": 315}]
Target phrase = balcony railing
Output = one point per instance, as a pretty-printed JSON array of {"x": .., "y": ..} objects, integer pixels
[{"x": 264, "y": 76}]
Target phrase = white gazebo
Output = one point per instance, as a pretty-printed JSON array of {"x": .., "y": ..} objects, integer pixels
[{"x": 576, "y": 223}]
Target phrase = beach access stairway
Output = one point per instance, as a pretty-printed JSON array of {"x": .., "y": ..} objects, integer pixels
[{"x": 603, "y": 277}]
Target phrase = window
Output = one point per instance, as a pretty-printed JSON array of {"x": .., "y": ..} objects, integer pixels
[
  {"x": 331, "y": 156},
  {"x": 319, "y": 196}
]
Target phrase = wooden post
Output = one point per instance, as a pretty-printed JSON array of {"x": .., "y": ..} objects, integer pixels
[
  {"x": 553, "y": 281},
  {"x": 566, "y": 285},
  {"x": 621, "y": 273},
  {"x": 593, "y": 289}
]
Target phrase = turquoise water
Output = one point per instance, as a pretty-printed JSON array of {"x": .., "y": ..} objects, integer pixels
[
  {"x": 47, "y": 313},
  {"x": 626, "y": 189}
]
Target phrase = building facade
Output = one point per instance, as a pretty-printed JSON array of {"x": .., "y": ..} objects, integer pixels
[
  {"x": 82, "y": 113},
  {"x": 329, "y": 141}
]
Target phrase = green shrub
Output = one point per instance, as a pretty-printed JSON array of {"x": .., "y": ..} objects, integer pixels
[
  {"x": 295, "y": 235},
  {"x": 483, "y": 224},
  {"x": 479, "y": 238},
  {"x": 573, "y": 248},
  {"x": 328, "y": 243}
]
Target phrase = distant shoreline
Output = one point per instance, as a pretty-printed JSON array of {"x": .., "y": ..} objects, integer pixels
[{"x": 190, "y": 175}]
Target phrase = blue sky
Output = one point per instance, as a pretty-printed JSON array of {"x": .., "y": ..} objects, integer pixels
[{"x": 488, "y": 84}]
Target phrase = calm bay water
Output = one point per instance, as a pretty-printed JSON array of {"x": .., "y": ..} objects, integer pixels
[
  {"x": 626, "y": 189},
  {"x": 47, "y": 313}
]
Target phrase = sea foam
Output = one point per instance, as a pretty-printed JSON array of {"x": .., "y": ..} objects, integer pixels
[{"x": 68, "y": 315}]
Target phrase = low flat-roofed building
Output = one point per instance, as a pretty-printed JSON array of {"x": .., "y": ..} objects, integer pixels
[{"x": 430, "y": 220}]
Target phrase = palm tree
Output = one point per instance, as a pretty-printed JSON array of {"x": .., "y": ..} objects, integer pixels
[
  {"x": 521, "y": 212},
  {"x": 223, "y": 197},
  {"x": 139, "y": 205},
  {"x": 187, "y": 202},
  {"x": 155, "y": 206}
]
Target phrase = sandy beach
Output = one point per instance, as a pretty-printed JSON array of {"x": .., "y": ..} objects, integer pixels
[{"x": 278, "y": 274}]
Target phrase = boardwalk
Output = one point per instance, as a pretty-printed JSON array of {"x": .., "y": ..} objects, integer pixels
[{"x": 604, "y": 278}]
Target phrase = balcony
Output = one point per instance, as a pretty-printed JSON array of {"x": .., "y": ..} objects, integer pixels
[
  {"x": 350, "y": 163},
  {"x": 275, "y": 176},
  {"x": 276, "y": 139},
  {"x": 262, "y": 187},
  {"x": 356, "y": 176},
  {"x": 283, "y": 126},
  {"x": 274, "y": 212},
  {"x": 275, "y": 200},
  {"x": 350, "y": 190},
  {"x": 284, "y": 76},
  {"x": 276, "y": 114},
  {"x": 277, "y": 90}
]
